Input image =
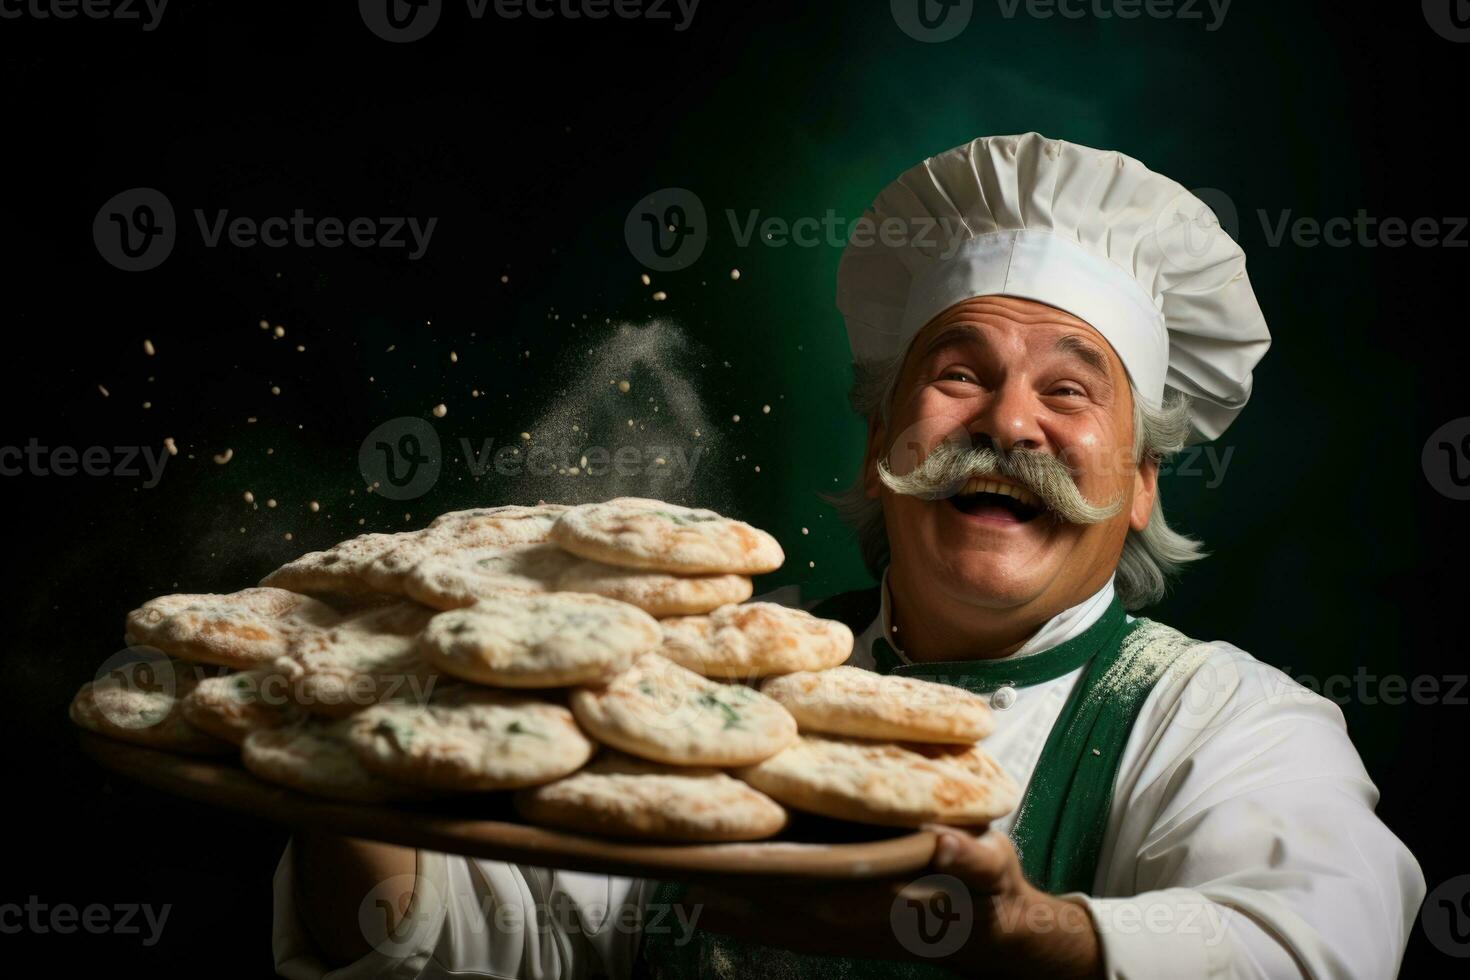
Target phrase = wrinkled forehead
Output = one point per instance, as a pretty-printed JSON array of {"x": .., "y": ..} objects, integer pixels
[{"x": 1024, "y": 324}]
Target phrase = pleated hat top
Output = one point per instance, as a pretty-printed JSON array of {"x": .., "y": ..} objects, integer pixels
[{"x": 1092, "y": 232}]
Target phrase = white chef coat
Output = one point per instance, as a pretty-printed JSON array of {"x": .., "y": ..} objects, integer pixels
[{"x": 1241, "y": 842}]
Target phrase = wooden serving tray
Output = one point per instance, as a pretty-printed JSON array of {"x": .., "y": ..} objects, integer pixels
[{"x": 484, "y": 826}]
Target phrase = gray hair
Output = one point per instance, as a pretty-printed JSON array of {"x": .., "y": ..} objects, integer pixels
[{"x": 1150, "y": 557}]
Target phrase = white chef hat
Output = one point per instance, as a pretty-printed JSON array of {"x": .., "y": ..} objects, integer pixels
[{"x": 1091, "y": 232}]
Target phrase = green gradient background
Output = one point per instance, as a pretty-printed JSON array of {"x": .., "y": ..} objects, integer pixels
[
  {"x": 799, "y": 116},
  {"x": 532, "y": 141},
  {"x": 1254, "y": 110}
]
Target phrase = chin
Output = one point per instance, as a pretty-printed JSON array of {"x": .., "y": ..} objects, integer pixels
[{"x": 985, "y": 579}]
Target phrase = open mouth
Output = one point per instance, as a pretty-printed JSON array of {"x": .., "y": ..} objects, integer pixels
[{"x": 997, "y": 500}]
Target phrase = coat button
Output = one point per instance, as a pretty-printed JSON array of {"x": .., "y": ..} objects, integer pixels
[{"x": 1003, "y": 698}]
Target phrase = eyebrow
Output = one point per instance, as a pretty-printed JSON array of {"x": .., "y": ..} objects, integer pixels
[
  {"x": 1085, "y": 351},
  {"x": 1079, "y": 347},
  {"x": 961, "y": 335}
]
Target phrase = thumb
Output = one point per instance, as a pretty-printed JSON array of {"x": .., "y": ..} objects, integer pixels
[{"x": 987, "y": 863}]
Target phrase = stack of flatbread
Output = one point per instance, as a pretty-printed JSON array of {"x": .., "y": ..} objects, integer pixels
[{"x": 601, "y": 661}]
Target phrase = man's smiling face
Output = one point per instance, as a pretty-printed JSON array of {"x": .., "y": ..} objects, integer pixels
[{"x": 1013, "y": 374}]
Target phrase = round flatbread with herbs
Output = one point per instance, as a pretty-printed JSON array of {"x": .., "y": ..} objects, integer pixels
[
  {"x": 659, "y": 711},
  {"x": 457, "y": 531},
  {"x": 498, "y": 526},
  {"x": 367, "y": 658},
  {"x": 339, "y": 570},
  {"x": 461, "y": 578},
  {"x": 240, "y": 629},
  {"x": 755, "y": 639},
  {"x": 864, "y": 704},
  {"x": 233, "y": 705},
  {"x": 551, "y": 640},
  {"x": 622, "y": 796},
  {"x": 142, "y": 704},
  {"x": 457, "y": 579},
  {"x": 637, "y": 532},
  {"x": 470, "y": 738},
  {"x": 969, "y": 757},
  {"x": 313, "y": 756},
  {"x": 883, "y": 783},
  {"x": 656, "y": 593}
]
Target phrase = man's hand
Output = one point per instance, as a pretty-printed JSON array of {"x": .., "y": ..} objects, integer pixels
[{"x": 974, "y": 883}]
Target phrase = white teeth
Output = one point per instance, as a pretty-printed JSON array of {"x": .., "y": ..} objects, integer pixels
[{"x": 977, "y": 485}]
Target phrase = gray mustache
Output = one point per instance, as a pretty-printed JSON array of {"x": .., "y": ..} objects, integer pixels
[{"x": 944, "y": 472}]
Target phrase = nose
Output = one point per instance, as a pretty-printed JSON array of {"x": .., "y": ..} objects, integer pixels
[{"x": 1010, "y": 418}]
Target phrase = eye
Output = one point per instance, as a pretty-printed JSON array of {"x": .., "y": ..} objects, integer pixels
[
  {"x": 1066, "y": 390},
  {"x": 957, "y": 374}
]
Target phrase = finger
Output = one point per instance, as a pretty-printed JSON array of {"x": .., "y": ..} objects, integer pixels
[{"x": 986, "y": 863}]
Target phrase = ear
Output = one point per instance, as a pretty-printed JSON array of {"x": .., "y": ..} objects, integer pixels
[
  {"x": 1145, "y": 491},
  {"x": 877, "y": 436}
]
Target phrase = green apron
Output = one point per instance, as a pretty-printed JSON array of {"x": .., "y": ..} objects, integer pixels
[{"x": 1060, "y": 824}]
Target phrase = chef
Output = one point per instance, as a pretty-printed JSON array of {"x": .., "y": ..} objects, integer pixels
[{"x": 1036, "y": 326}]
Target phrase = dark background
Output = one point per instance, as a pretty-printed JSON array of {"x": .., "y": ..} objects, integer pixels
[{"x": 530, "y": 141}]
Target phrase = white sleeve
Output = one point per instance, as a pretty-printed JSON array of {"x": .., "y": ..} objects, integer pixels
[
  {"x": 473, "y": 918},
  {"x": 1247, "y": 845}
]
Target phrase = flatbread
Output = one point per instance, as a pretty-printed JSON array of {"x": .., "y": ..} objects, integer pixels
[
  {"x": 656, "y": 593},
  {"x": 232, "y": 706},
  {"x": 313, "y": 756},
  {"x": 755, "y": 639},
  {"x": 971, "y": 758},
  {"x": 339, "y": 570},
  {"x": 659, "y": 711},
  {"x": 881, "y": 783},
  {"x": 457, "y": 579},
  {"x": 456, "y": 531},
  {"x": 547, "y": 640},
  {"x": 621, "y": 796},
  {"x": 241, "y": 629},
  {"x": 141, "y": 705},
  {"x": 470, "y": 738},
  {"x": 864, "y": 704},
  {"x": 367, "y": 658},
  {"x": 637, "y": 532},
  {"x": 499, "y": 526}
]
